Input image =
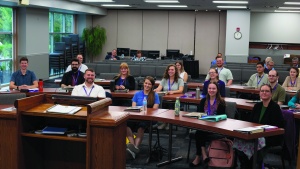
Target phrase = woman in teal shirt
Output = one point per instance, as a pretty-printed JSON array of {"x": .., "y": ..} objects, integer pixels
[{"x": 295, "y": 102}]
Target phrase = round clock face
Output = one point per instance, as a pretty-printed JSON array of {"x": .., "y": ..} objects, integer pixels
[{"x": 237, "y": 35}]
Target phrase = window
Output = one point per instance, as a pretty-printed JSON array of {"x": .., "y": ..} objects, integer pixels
[
  {"x": 6, "y": 44},
  {"x": 60, "y": 25}
]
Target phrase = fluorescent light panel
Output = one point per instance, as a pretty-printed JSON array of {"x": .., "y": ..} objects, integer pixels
[
  {"x": 157, "y": 1},
  {"x": 230, "y": 2},
  {"x": 233, "y": 7},
  {"x": 172, "y": 6},
  {"x": 97, "y": 0},
  {"x": 115, "y": 5},
  {"x": 287, "y": 11},
  {"x": 292, "y": 3},
  {"x": 289, "y": 7}
]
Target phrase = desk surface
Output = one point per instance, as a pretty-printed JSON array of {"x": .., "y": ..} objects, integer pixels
[{"x": 224, "y": 127}]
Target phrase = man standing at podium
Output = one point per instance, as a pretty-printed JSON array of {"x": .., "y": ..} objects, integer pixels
[
  {"x": 74, "y": 77},
  {"x": 23, "y": 78},
  {"x": 89, "y": 88}
]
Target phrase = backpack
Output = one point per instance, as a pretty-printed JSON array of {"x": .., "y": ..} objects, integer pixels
[{"x": 221, "y": 153}]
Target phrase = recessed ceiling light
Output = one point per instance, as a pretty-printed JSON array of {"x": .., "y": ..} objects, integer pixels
[
  {"x": 287, "y": 11},
  {"x": 97, "y": 0},
  {"x": 172, "y": 6},
  {"x": 163, "y": 1},
  {"x": 233, "y": 7},
  {"x": 292, "y": 3},
  {"x": 115, "y": 5},
  {"x": 289, "y": 7},
  {"x": 230, "y": 2}
]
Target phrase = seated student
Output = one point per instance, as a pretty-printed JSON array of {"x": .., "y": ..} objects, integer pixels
[
  {"x": 214, "y": 62},
  {"x": 213, "y": 104},
  {"x": 224, "y": 74},
  {"x": 278, "y": 92},
  {"x": 74, "y": 77},
  {"x": 137, "y": 100},
  {"x": 269, "y": 66},
  {"x": 268, "y": 59},
  {"x": 266, "y": 112},
  {"x": 113, "y": 55},
  {"x": 295, "y": 62},
  {"x": 23, "y": 78},
  {"x": 124, "y": 80},
  {"x": 89, "y": 88},
  {"x": 138, "y": 56},
  {"x": 295, "y": 101},
  {"x": 214, "y": 77},
  {"x": 259, "y": 78},
  {"x": 172, "y": 84},
  {"x": 182, "y": 74},
  {"x": 292, "y": 82},
  {"x": 82, "y": 67}
]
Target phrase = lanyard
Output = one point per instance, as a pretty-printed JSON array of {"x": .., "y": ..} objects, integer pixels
[
  {"x": 293, "y": 84},
  {"x": 219, "y": 71},
  {"x": 208, "y": 106},
  {"x": 170, "y": 85},
  {"x": 90, "y": 90},
  {"x": 275, "y": 87},
  {"x": 75, "y": 80},
  {"x": 259, "y": 79}
]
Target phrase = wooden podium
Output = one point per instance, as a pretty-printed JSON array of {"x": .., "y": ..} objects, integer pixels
[{"x": 106, "y": 132}]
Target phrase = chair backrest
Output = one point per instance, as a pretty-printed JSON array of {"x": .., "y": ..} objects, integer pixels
[
  {"x": 10, "y": 98},
  {"x": 185, "y": 88},
  {"x": 189, "y": 78},
  {"x": 231, "y": 109},
  {"x": 227, "y": 92}
]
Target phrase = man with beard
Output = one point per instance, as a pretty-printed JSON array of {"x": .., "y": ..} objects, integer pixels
[
  {"x": 82, "y": 67},
  {"x": 224, "y": 74},
  {"x": 89, "y": 88},
  {"x": 23, "y": 78},
  {"x": 278, "y": 92},
  {"x": 74, "y": 77}
]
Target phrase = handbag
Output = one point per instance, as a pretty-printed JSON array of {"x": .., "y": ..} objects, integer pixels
[{"x": 221, "y": 153}]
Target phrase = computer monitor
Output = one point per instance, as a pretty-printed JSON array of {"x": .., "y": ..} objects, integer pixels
[
  {"x": 124, "y": 51},
  {"x": 173, "y": 53},
  {"x": 145, "y": 53},
  {"x": 153, "y": 54},
  {"x": 133, "y": 52}
]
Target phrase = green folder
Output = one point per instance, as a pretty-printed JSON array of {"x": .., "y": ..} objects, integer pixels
[{"x": 214, "y": 118}]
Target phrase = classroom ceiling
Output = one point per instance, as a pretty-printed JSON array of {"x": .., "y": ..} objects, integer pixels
[{"x": 200, "y": 5}]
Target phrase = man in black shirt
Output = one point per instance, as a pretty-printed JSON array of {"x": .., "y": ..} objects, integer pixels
[{"x": 73, "y": 77}]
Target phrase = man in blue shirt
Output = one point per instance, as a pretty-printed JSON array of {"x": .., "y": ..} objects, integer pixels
[{"x": 23, "y": 78}]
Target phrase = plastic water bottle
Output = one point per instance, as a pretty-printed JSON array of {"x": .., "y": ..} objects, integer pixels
[
  {"x": 198, "y": 92},
  {"x": 145, "y": 104},
  {"x": 177, "y": 106}
]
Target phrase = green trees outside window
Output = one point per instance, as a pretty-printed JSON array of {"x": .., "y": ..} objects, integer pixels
[
  {"x": 6, "y": 44},
  {"x": 60, "y": 25}
]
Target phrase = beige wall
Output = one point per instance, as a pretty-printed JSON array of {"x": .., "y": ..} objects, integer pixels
[{"x": 161, "y": 30}]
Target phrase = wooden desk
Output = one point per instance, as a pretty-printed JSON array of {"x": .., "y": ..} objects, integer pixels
[
  {"x": 193, "y": 85},
  {"x": 22, "y": 149},
  {"x": 8, "y": 135},
  {"x": 241, "y": 89},
  {"x": 224, "y": 127}
]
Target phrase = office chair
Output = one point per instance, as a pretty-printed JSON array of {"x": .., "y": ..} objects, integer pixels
[{"x": 10, "y": 98}]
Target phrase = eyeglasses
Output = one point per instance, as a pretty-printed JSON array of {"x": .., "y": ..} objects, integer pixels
[
  {"x": 211, "y": 72},
  {"x": 265, "y": 91}
]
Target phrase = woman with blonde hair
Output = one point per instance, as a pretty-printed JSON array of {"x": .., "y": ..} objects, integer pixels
[{"x": 124, "y": 80}]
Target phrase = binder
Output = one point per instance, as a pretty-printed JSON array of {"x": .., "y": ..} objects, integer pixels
[
  {"x": 214, "y": 118},
  {"x": 54, "y": 130}
]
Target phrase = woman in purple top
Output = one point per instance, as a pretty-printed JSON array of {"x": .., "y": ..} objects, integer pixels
[
  {"x": 213, "y": 104},
  {"x": 214, "y": 77}
]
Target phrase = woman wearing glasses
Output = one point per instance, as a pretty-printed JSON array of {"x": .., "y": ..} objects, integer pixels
[
  {"x": 213, "y": 104},
  {"x": 214, "y": 77},
  {"x": 266, "y": 112},
  {"x": 124, "y": 80},
  {"x": 292, "y": 82}
]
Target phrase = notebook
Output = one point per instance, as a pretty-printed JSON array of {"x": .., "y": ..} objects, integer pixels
[
  {"x": 134, "y": 108},
  {"x": 214, "y": 118},
  {"x": 62, "y": 109},
  {"x": 54, "y": 130},
  {"x": 194, "y": 114}
]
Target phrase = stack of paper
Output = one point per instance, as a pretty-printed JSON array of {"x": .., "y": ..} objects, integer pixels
[
  {"x": 61, "y": 109},
  {"x": 194, "y": 115},
  {"x": 134, "y": 108},
  {"x": 256, "y": 129}
]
